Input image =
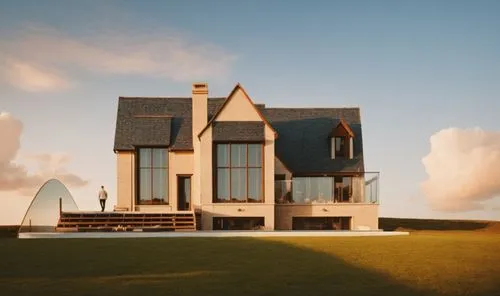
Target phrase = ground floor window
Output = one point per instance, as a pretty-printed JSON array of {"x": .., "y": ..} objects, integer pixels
[
  {"x": 238, "y": 223},
  {"x": 321, "y": 223},
  {"x": 239, "y": 176},
  {"x": 152, "y": 176}
]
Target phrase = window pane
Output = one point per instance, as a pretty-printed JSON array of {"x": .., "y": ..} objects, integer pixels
[
  {"x": 159, "y": 186},
  {"x": 238, "y": 155},
  {"x": 238, "y": 184},
  {"x": 160, "y": 158},
  {"x": 223, "y": 184},
  {"x": 254, "y": 155},
  {"x": 339, "y": 144},
  {"x": 144, "y": 157},
  {"x": 325, "y": 187},
  {"x": 187, "y": 189},
  {"x": 347, "y": 188},
  {"x": 145, "y": 185},
  {"x": 255, "y": 184},
  {"x": 299, "y": 190},
  {"x": 223, "y": 155}
]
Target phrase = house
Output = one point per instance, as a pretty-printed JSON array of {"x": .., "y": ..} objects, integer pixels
[{"x": 241, "y": 165}]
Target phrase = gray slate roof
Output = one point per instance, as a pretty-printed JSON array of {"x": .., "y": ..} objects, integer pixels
[
  {"x": 238, "y": 131},
  {"x": 175, "y": 132},
  {"x": 303, "y": 133},
  {"x": 303, "y": 143}
]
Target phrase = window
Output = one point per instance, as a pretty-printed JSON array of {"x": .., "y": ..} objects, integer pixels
[
  {"x": 239, "y": 175},
  {"x": 308, "y": 190},
  {"x": 152, "y": 176},
  {"x": 343, "y": 189},
  {"x": 321, "y": 223},
  {"x": 238, "y": 223},
  {"x": 339, "y": 146}
]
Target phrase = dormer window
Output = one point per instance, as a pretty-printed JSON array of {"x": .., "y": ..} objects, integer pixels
[
  {"x": 342, "y": 144},
  {"x": 339, "y": 143}
]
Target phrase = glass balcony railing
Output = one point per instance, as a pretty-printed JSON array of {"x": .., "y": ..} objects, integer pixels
[{"x": 361, "y": 188}]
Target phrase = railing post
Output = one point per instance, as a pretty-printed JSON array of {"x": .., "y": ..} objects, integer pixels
[
  {"x": 30, "y": 225},
  {"x": 60, "y": 206}
]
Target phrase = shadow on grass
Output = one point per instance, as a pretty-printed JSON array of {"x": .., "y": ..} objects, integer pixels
[
  {"x": 391, "y": 224},
  {"x": 183, "y": 266}
]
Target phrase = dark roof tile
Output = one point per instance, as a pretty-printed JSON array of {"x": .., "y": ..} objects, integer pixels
[
  {"x": 238, "y": 131},
  {"x": 128, "y": 127},
  {"x": 303, "y": 133},
  {"x": 303, "y": 138}
]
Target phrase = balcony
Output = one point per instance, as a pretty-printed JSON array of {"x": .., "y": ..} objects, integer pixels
[{"x": 359, "y": 189}]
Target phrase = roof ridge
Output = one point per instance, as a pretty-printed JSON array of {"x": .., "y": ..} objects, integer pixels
[
  {"x": 126, "y": 97},
  {"x": 316, "y": 108}
]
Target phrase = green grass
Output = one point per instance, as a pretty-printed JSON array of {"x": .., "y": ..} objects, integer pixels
[{"x": 425, "y": 263}]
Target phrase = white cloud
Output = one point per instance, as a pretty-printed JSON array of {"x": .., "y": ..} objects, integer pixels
[
  {"x": 463, "y": 168},
  {"x": 161, "y": 54},
  {"x": 31, "y": 78},
  {"x": 14, "y": 176}
]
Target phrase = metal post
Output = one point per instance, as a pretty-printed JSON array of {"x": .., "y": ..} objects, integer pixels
[
  {"x": 60, "y": 206},
  {"x": 30, "y": 225}
]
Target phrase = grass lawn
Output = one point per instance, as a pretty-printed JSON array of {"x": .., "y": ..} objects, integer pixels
[{"x": 425, "y": 263}]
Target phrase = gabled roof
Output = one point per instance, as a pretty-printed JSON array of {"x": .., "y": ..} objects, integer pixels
[
  {"x": 228, "y": 99},
  {"x": 344, "y": 125},
  {"x": 302, "y": 146}
]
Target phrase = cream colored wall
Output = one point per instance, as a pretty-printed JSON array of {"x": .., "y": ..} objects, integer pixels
[
  {"x": 269, "y": 162},
  {"x": 206, "y": 167},
  {"x": 364, "y": 216},
  {"x": 180, "y": 163},
  {"x": 199, "y": 116},
  {"x": 125, "y": 179},
  {"x": 239, "y": 108}
]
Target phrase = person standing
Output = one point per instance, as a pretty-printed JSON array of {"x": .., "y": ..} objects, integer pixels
[{"x": 103, "y": 195}]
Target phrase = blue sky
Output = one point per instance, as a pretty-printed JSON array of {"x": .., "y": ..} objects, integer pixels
[{"x": 414, "y": 67}]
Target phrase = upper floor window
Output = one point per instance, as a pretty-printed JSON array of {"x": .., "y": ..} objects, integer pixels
[
  {"x": 342, "y": 144},
  {"x": 239, "y": 175},
  {"x": 152, "y": 175},
  {"x": 339, "y": 146},
  {"x": 321, "y": 189}
]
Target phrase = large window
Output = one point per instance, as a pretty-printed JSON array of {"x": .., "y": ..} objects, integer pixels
[
  {"x": 239, "y": 173},
  {"x": 153, "y": 176},
  {"x": 322, "y": 189}
]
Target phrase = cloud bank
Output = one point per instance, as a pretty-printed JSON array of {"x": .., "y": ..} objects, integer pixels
[
  {"x": 15, "y": 177},
  {"x": 463, "y": 168},
  {"x": 45, "y": 59},
  {"x": 31, "y": 78}
]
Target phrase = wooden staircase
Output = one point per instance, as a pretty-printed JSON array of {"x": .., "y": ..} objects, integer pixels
[{"x": 125, "y": 221}]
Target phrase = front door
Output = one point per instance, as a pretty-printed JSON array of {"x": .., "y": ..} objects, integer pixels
[{"x": 183, "y": 193}]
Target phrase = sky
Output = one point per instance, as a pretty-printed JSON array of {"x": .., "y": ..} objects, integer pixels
[{"x": 424, "y": 73}]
